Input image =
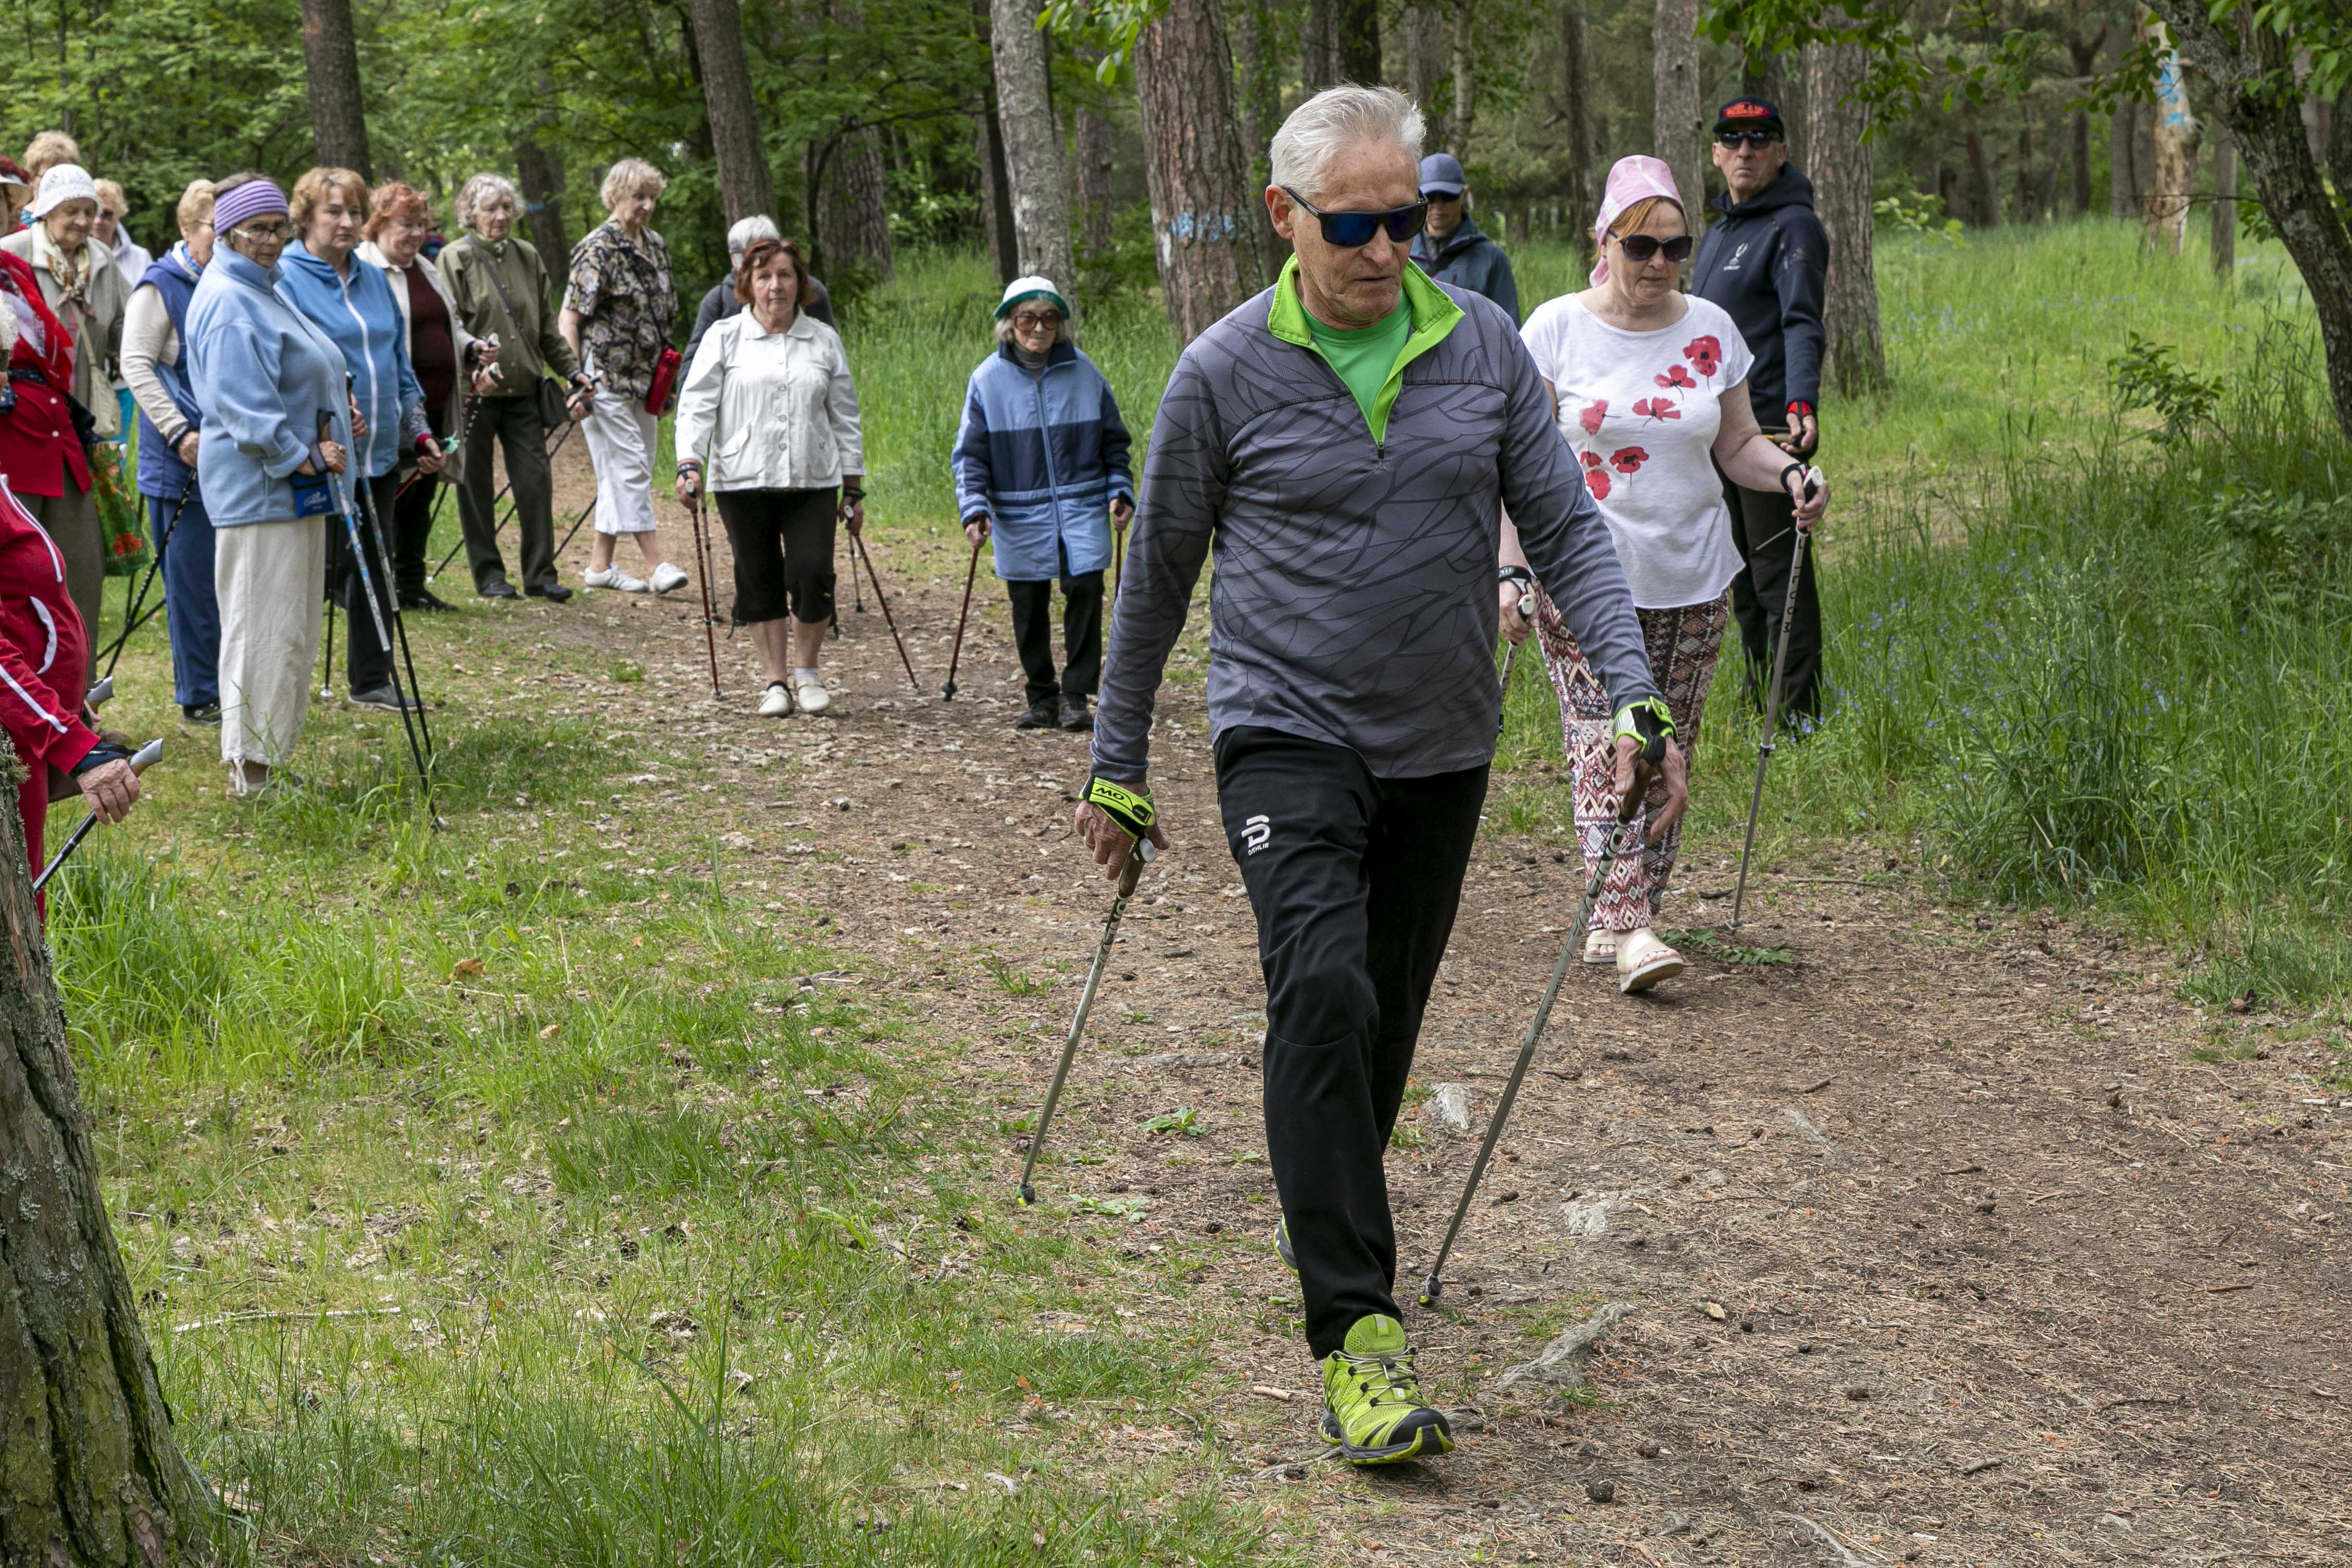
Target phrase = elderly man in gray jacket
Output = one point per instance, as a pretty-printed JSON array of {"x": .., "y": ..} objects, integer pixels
[{"x": 1346, "y": 441}]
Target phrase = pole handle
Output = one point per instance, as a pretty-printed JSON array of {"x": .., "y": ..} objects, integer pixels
[
  {"x": 100, "y": 693},
  {"x": 1141, "y": 855},
  {"x": 147, "y": 756}
]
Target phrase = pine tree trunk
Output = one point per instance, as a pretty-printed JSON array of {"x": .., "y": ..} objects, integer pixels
[
  {"x": 745, "y": 186},
  {"x": 331, "y": 60},
  {"x": 539, "y": 174},
  {"x": 1984, "y": 207},
  {"x": 1465, "y": 115},
  {"x": 1094, "y": 181},
  {"x": 1319, "y": 45},
  {"x": 2225, "y": 207},
  {"x": 1674, "y": 124},
  {"x": 1202, "y": 229},
  {"x": 1425, "y": 51},
  {"x": 2339, "y": 145},
  {"x": 848, "y": 195},
  {"x": 2169, "y": 189},
  {"x": 1258, "y": 107},
  {"x": 1576, "y": 112},
  {"x": 90, "y": 1475},
  {"x": 1032, "y": 144},
  {"x": 1856, "y": 362},
  {"x": 1357, "y": 26}
]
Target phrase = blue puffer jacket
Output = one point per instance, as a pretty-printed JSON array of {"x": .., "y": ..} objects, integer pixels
[
  {"x": 262, "y": 374},
  {"x": 1043, "y": 454},
  {"x": 360, "y": 314}
]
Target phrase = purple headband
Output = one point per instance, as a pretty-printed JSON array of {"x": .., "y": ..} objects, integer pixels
[{"x": 254, "y": 199}]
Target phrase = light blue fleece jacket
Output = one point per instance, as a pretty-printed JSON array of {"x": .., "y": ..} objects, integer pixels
[
  {"x": 262, "y": 373},
  {"x": 360, "y": 314}
]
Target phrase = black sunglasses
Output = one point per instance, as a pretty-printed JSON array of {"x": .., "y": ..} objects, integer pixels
[
  {"x": 1642, "y": 248},
  {"x": 1351, "y": 230},
  {"x": 1752, "y": 138}
]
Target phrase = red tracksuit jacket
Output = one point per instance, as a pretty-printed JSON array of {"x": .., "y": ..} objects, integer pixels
[{"x": 44, "y": 664}]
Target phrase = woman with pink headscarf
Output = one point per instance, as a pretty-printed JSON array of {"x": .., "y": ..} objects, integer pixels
[{"x": 1648, "y": 386}]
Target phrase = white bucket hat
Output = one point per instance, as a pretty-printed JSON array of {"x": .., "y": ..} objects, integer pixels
[
  {"x": 1022, "y": 288},
  {"x": 66, "y": 182}
]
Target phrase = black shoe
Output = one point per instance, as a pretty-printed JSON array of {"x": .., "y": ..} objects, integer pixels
[
  {"x": 1074, "y": 712},
  {"x": 201, "y": 713},
  {"x": 386, "y": 697},
  {"x": 424, "y": 599},
  {"x": 554, "y": 593},
  {"x": 498, "y": 590},
  {"x": 1041, "y": 715}
]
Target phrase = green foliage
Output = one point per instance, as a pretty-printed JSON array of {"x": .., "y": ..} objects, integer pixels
[
  {"x": 2148, "y": 375},
  {"x": 1922, "y": 213}
]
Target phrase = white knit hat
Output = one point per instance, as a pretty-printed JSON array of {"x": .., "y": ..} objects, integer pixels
[
  {"x": 66, "y": 182},
  {"x": 1032, "y": 288}
]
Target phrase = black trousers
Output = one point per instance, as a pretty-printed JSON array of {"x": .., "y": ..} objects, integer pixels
[
  {"x": 1033, "y": 634},
  {"x": 410, "y": 521},
  {"x": 1763, "y": 526},
  {"x": 782, "y": 542},
  {"x": 512, "y": 422},
  {"x": 1354, "y": 881},
  {"x": 365, "y": 658}
]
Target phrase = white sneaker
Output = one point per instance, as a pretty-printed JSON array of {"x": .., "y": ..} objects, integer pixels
[
  {"x": 1642, "y": 961},
  {"x": 667, "y": 577},
  {"x": 776, "y": 701},
  {"x": 1600, "y": 946},
  {"x": 613, "y": 578},
  {"x": 810, "y": 694}
]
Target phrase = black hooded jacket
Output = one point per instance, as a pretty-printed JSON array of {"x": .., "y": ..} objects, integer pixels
[{"x": 1767, "y": 261}]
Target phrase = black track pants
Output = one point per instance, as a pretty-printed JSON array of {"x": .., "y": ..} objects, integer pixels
[
  {"x": 1354, "y": 881},
  {"x": 1763, "y": 527},
  {"x": 1033, "y": 635}
]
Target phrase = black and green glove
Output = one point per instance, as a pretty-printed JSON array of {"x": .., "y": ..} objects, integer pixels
[
  {"x": 1131, "y": 810},
  {"x": 1649, "y": 721}
]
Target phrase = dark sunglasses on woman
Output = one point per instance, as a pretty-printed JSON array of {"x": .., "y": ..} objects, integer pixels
[
  {"x": 1733, "y": 138},
  {"x": 1642, "y": 248},
  {"x": 1351, "y": 230}
]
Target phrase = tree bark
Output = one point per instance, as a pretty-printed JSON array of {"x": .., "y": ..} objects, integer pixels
[
  {"x": 1319, "y": 45},
  {"x": 1425, "y": 51},
  {"x": 1203, "y": 231},
  {"x": 1576, "y": 112},
  {"x": 745, "y": 186},
  {"x": 1356, "y": 24},
  {"x": 539, "y": 174},
  {"x": 2270, "y": 139},
  {"x": 2225, "y": 207},
  {"x": 90, "y": 1474},
  {"x": 1032, "y": 144},
  {"x": 1464, "y": 113},
  {"x": 2339, "y": 145},
  {"x": 1984, "y": 207},
  {"x": 331, "y": 60},
  {"x": 2083, "y": 52},
  {"x": 1093, "y": 172},
  {"x": 1855, "y": 359},
  {"x": 2169, "y": 190},
  {"x": 1674, "y": 74}
]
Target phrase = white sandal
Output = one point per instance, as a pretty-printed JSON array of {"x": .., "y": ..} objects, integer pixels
[
  {"x": 1642, "y": 961},
  {"x": 1600, "y": 946}
]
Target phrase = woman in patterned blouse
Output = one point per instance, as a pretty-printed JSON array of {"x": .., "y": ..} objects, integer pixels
[{"x": 617, "y": 317}]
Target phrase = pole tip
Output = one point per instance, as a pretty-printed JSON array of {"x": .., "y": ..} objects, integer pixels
[
  {"x": 1028, "y": 1196},
  {"x": 948, "y": 692},
  {"x": 1430, "y": 1288}
]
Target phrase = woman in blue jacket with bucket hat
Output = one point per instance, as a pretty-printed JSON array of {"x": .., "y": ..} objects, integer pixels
[{"x": 1041, "y": 465}]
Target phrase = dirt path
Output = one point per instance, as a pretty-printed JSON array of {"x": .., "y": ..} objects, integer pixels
[{"x": 1939, "y": 1244}]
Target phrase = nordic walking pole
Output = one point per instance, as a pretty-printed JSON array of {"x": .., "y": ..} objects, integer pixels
[
  {"x": 140, "y": 760},
  {"x": 1136, "y": 860},
  {"x": 1528, "y": 613},
  {"x": 702, "y": 574},
  {"x": 131, "y": 618},
  {"x": 399, "y": 623},
  {"x": 859, "y": 540},
  {"x": 1772, "y": 704},
  {"x": 497, "y": 525},
  {"x": 948, "y": 692},
  {"x": 375, "y": 611},
  {"x": 1433, "y": 1286}
]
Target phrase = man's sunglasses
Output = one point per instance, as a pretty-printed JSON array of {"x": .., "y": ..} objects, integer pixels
[
  {"x": 1733, "y": 138},
  {"x": 1351, "y": 230},
  {"x": 1642, "y": 248}
]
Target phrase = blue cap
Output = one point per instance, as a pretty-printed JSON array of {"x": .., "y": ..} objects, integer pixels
[{"x": 1441, "y": 175}]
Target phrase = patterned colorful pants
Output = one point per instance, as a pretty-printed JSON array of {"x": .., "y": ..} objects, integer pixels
[{"x": 1682, "y": 644}]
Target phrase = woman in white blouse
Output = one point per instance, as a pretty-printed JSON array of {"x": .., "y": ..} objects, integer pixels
[
  {"x": 768, "y": 423},
  {"x": 1649, "y": 388}
]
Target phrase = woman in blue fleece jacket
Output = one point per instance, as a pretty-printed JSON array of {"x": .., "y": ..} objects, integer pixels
[
  {"x": 352, "y": 302},
  {"x": 262, "y": 375}
]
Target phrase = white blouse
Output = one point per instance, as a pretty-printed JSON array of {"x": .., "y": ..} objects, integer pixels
[{"x": 771, "y": 411}]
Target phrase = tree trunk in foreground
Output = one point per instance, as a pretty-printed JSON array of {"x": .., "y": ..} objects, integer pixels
[
  {"x": 2277, "y": 157},
  {"x": 1202, "y": 229},
  {"x": 1033, "y": 146},
  {"x": 745, "y": 187},
  {"x": 2169, "y": 191},
  {"x": 1674, "y": 124},
  {"x": 1842, "y": 174},
  {"x": 849, "y": 195},
  {"x": 90, "y": 1477},
  {"x": 331, "y": 60}
]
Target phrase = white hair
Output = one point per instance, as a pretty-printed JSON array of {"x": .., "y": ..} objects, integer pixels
[
  {"x": 630, "y": 177},
  {"x": 485, "y": 190},
  {"x": 757, "y": 226},
  {"x": 1341, "y": 117}
]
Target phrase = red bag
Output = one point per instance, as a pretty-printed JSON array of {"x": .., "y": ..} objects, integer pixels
[{"x": 665, "y": 382}]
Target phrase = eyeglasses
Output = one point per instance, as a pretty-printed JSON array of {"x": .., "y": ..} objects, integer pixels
[
  {"x": 1350, "y": 231},
  {"x": 1642, "y": 248},
  {"x": 262, "y": 234},
  {"x": 1735, "y": 139},
  {"x": 1032, "y": 320}
]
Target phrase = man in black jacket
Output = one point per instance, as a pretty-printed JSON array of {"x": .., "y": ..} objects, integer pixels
[{"x": 1766, "y": 260}]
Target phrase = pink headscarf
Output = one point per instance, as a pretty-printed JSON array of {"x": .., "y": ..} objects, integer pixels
[{"x": 1631, "y": 180}]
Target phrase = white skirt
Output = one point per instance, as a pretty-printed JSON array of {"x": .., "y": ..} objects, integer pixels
[{"x": 272, "y": 580}]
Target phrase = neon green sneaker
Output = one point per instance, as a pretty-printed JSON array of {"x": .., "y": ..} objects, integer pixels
[
  {"x": 1282, "y": 1247},
  {"x": 1371, "y": 1399}
]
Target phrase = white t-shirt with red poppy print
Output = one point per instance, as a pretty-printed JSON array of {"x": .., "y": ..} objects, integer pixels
[{"x": 1641, "y": 411}]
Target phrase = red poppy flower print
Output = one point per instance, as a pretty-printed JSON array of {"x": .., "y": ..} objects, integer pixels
[
  {"x": 1596, "y": 477},
  {"x": 1591, "y": 417},
  {"x": 1676, "y": 376},
  {"x": 1705, "y": 354},
  {"x": 1656, "y": 408},
  {"x": 1628, "y": 459}
]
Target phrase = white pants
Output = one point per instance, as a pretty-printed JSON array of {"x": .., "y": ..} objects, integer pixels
[
  {"x": 271, "y": 579},
  {"x": 622, "y": 441}
]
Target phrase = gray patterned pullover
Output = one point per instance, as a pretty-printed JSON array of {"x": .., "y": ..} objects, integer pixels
[{"x": 1354, "y": 597}]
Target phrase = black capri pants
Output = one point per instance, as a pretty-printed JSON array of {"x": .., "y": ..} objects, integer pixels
[{"x": 782, "y": 542}]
